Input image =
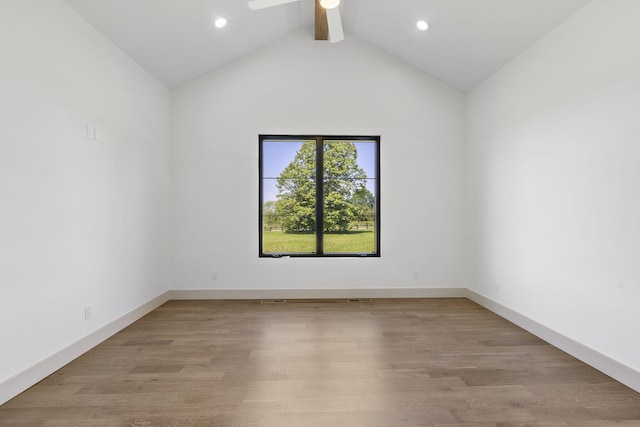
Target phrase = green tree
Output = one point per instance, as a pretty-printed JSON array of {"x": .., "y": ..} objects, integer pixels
[
  {"x": 269, "y": 214},
  {"x": 364, "y": 200},
  {"x": 297, "y": 187},
  {"x": 296, "y": 191}
]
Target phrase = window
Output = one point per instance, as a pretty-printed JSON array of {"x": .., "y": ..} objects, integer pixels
[{"x": 319, "y": 196}]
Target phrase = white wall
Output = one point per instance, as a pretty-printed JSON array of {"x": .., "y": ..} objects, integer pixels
[
  {"x": 554, "y": 179},
  {"x": 300, "y": 86},
  {"x": 81, "y": 221}
]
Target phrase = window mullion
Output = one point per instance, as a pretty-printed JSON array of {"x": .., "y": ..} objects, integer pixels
[{"x": 319, "y": 196}]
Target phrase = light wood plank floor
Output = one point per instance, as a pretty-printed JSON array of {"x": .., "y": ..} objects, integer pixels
[{"x": 387, "y": 363}]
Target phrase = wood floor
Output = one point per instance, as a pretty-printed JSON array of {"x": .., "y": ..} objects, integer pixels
[{"x": 385, "y": 363}]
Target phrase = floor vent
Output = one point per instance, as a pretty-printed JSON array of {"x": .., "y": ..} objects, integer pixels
[
  {"x": 273, "y": 301},
  {"x": 368, "y": 300}
]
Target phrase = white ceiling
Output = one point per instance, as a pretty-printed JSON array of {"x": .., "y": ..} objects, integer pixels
[{"x": 468, "y": 40}]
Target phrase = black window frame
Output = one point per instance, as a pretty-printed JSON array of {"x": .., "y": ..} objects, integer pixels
[{"x": 319, "y": 208}]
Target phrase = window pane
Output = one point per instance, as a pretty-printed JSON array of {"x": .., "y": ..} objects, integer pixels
[
  {"x": 349, "y": 197},
  {"x": 289, "y": 197},
  {"x": 360, "y": 235}
]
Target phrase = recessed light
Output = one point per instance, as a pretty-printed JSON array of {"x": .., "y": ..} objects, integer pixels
[
  {"x": 220, "y": 22},
  {"x": 422, "y": 25}
]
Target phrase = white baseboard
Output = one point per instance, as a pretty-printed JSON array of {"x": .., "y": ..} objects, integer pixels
[
  {"x": 616, "y": 370},
  {"x": 20, "y": 382},
  {"x": 239, "y": 294}
]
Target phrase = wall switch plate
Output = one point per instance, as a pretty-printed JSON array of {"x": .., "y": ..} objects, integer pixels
[
  {"x": 214, "y": 275},
  {"x": 88, "y": 311},
  {"x": 91, "y": 132}
]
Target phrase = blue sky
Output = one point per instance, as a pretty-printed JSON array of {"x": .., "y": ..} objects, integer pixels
[{"x": 277, "y": 155}]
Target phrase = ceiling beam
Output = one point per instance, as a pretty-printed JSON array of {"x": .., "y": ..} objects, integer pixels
[{"x": 322, "y": 27}]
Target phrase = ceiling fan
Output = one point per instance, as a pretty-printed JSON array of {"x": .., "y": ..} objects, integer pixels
[{"x": 328, "y": 21}]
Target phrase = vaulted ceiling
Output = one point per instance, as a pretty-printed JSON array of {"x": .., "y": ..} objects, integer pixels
[{"x": 467, "y": 41}]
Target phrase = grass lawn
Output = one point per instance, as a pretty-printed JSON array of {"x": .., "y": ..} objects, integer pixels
[{"x": 356, "y": 241}]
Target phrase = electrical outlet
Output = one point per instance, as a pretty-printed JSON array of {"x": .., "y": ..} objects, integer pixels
[
  {"x": 214, "y": 275},
  {"x": 88, "y": 311},
  {"x": 416, "y": 273},
  {"x": 91, "y": 132}
]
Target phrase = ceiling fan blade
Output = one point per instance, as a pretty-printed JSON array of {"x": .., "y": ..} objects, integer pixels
[
  {"x": 261, "y": 4},
  {"x": 334, "y": 21}
]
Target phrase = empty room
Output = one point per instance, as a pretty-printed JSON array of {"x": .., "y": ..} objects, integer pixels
[{"x": 308, "y": 213}]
